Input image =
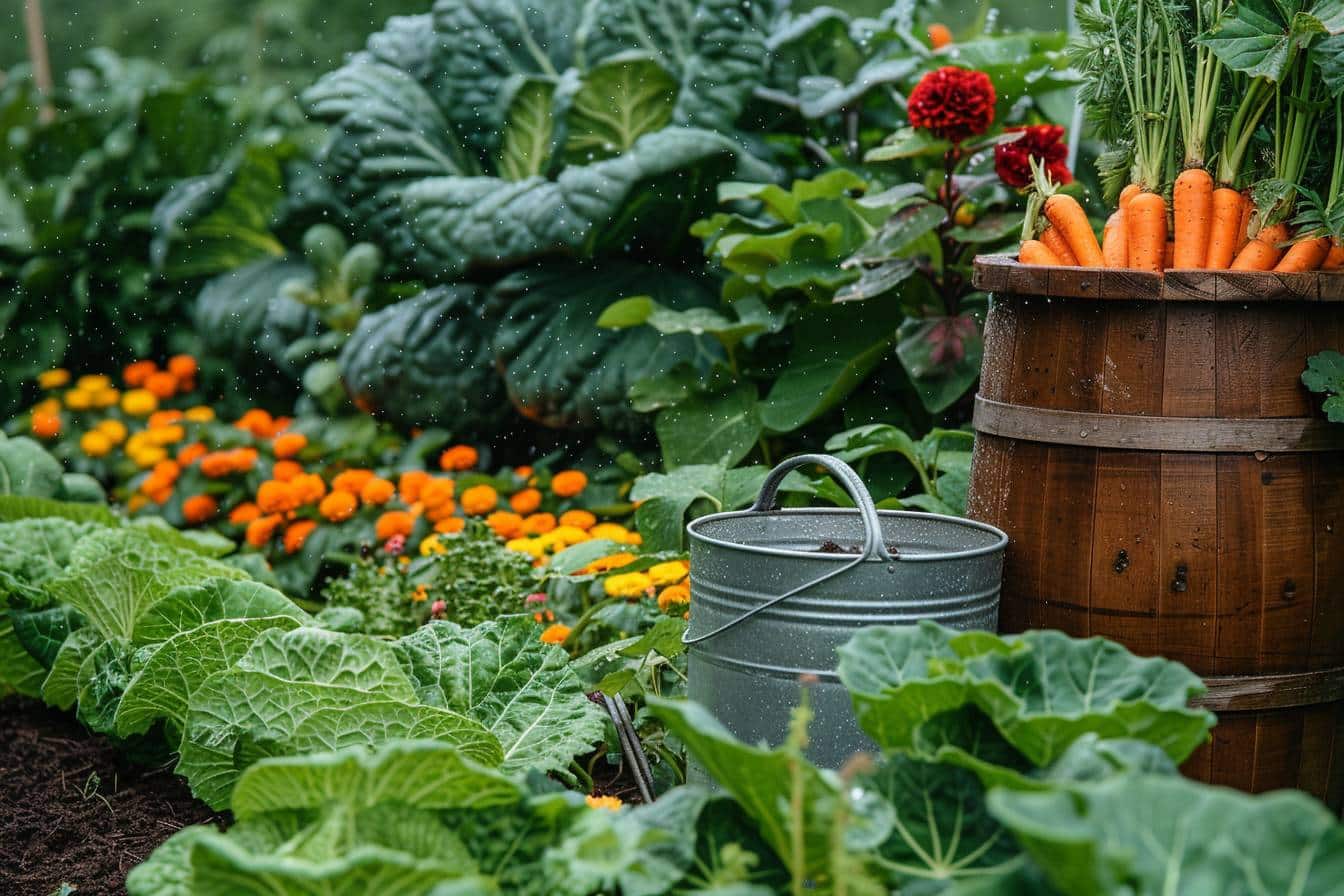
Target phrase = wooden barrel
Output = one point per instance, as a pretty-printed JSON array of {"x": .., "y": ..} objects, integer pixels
[{"x": 1167, "y": 481}]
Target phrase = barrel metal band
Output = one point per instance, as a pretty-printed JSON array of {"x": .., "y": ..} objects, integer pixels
[
  {"x": 1141, "y": 433},
  {"x": 1247, "y": 693}
]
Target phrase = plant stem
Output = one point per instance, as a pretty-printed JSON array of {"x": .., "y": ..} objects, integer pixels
[{"x": 39, "y": 57}]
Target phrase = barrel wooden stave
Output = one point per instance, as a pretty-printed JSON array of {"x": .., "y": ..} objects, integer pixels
[{"x": 1227, "y": 562}]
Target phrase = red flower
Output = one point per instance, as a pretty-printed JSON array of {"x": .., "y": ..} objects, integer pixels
[
  {"x": 1042, "y": 142},
  {"x": 954, "y": 103}
]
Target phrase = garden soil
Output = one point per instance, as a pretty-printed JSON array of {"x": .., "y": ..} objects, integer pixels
[{"x": 73, "y": 810}]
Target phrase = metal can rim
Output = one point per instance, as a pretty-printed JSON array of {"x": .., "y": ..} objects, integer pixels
[{"x": 1000, "y": 537}]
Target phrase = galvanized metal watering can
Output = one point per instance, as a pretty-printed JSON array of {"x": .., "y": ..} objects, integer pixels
[{"x": 769, "y": 605}]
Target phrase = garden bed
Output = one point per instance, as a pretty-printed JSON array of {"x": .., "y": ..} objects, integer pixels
[{"x": 73, "y": 810}]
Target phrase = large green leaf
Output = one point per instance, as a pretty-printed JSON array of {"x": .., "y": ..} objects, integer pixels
[
  {"x": 1154, "y": 836},
  {"x": 115, "y": 575},
  {"x": 802, "y": 812},
  {"x": 835, "y": 348},
  {"x": 27, "y": 469},
  {"x": 427, "y": 361},
  {"x": 529, "y": 132},
  {"x": 33, "y": 551},
  {"x": 710, "y": 429},
  {"x": 212, "y": 600},
  {"x": 245, "y": 316},
  {"x": 425, "y": 774},
  {"x": 19, "y": 671},
  {"x": 560, "y": 368},
  {"x": 712, "y": 46},
  {"x": 500, "y": 674},
  {"x": 621, "y": 100},
  {"x": 1260, "y": 37},
  {"x": 1042, "y": 690}
]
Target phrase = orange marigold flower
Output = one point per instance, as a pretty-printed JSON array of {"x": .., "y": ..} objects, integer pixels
[
  {"x": 442, "y": 512},
  {"x": 504, "y": 524},
  {"x": 161, "y": 384},
  {"x": 674, "y": 599},
  {"x": 244, "y": 513},
  {"x": 524, "y": 473},
  {"x": 450, "y": 526},
  {"x": 394, "y": 522},
  {"x": 610, "y": 562},
  {"x": 256, "y": 421},
  {"x": 479, "y": 500},
  {"x": 216, "y": 464},
  {"x": 410, "y": 483},
  {"x": 288, "y": 444},
  {"x": 285, "y": 470},
  {"x": 277, "y": 497},
  {"x": 458, "y": 457},
  {"x": 190, "y": 453},
  {"x": 309, "y": 487},
  {"x": 939, "y": 35},
  {"x": 539, "y": 524},
  {"x": 351, "y": 480},
  {"x": 262, "y": 529},
  {"x": 579, "y": 519},
  {"x": 182, "y": 366},
  {"x": 437, "y": 492},
  {"x": 168, "y": 469},
  {"x": 163, "y": 418},
  {"x": 199, "y": 508},
  {"x": 569, "y": 483},
  {"x": 297, "y": 533},
  {"x": 555, "y": 634},
  {"x": 137, "y": 372},
  {"x": 526, "y": 501},
  {"x": 243, "y": 459},
  {"x": 46, "y": 425},
  {"x": 338, "y": 506},
  {"x": 377, "y": 491}
]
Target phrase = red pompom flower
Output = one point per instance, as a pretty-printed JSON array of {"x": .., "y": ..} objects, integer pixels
[
  {"x": 953, "y": 103},
  {"x": 1042, "y": 142}
]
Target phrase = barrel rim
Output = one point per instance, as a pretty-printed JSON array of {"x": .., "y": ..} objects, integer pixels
[{"x": 999, "y": 544}]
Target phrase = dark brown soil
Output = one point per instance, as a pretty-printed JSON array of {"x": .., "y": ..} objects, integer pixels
[
  {"x": 830, "y": 547},
  {"x": 73, "y": 810}
]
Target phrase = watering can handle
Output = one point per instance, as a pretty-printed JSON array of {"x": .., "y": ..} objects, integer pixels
[{"x": 873, "y": 548}]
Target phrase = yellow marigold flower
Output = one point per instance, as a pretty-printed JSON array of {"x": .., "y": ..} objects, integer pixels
[
  {"x": 93, "y": 382},
  {"x": 669, "y": 573},
  {"x": 479, "y": 500},
  {"x": 47, "y": 406},
  {"x": 612, "y": 803},
  {"x": 629, "y": 585},
  {"x": 200, "y": 414},
  {"x": 95, "y": 443},
  {"x": 166, "y": 435},
  {"x": 609, "y": 562},
  {"x": 431, "y": 544},
  {"x": 148, "y": 457},
  {"x": 79, "y": 399},
  {"x": 555, "y": 634},
  {"x": 634, "y": 538},
  {"x": 113, "y": 429},
  {"x": 610, "y": 532},
  {"x": 674, "y": 598},
  {"x": 105, "y": 398},
  {"x": 53, "y": 379},
  {"x": 567, "y": 536},
  {"x": 531, "y": 546},
  {"x": 139, "y": 403}
]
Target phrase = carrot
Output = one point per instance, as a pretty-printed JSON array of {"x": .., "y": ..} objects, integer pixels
[
  {"x": 1037, "y": 252},
  {"x": 1335, "y": 260},
  {"x": 1227, "y": 231},
  {"x": 1169, "y": 255},
  {"x": 1146, "y": 226},
  {"x": 1129, "y": 193},
  {"x": 1068, "y": 217},
  {"x": 1263, "y": 252},
  {"x": 1192, "y": 206},
  {"x": 1244, "y": 228},
  {"x": 1113, "y": 241},
  {"x": 1303, "y": 256},
  {"x": 1055, "y": 242}
]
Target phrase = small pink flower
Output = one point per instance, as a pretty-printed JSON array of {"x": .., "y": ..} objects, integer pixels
[
  {"x": 537, "y": 598},
  {"x": 438, "y": 609},
  {"x": 395, "y": 545}
]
